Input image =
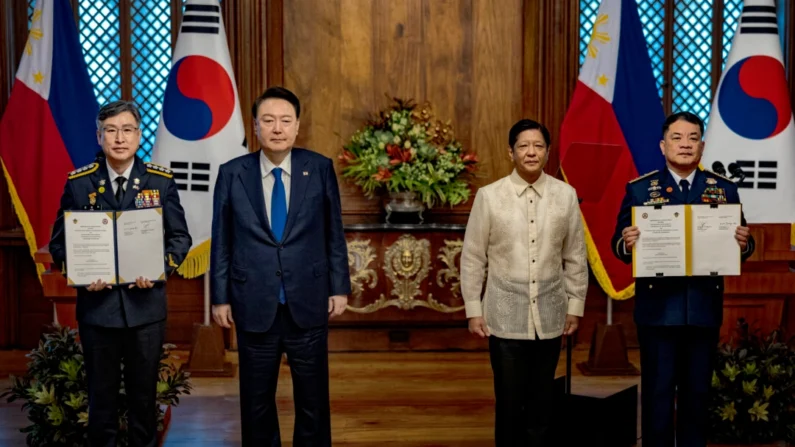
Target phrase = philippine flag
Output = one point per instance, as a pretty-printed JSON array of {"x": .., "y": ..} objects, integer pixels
[
  {"x": 49, "y": 126},
  {"x": 750, "y": 125},
  {"x": 201, "y": 126},
  {"x": 611, "y": 133}
]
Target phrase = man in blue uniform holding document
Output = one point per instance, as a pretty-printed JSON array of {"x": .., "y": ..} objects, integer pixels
[
  {"x": 122, "y": 324},
  {"x": 678, "y": 318}
]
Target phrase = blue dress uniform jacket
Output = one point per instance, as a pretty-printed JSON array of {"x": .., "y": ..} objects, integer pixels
[
  {"x": 89, "y": 188},
  {"x": 248, "y": 264},
  {"x": 694, "y": 301}
]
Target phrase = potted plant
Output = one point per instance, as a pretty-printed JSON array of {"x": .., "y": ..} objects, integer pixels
[
  {"x": 753, "y": 389},
  {"x": 405, "y": 151},
  {"x": 55, "y": 392}
]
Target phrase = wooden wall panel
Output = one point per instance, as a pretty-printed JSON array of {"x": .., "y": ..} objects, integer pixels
[
  {"x": 344, "y": 58},
  {"x": 13, "y": 35},
  {"x": 550, "y": 66},
  {"x": 246, "y": 37},
  {"x": 185, "y": 307},
  {"x": 24, "y": 312},
  {"x": 35, "y": 312},
  {"x": 596, "y": 312},
  {"x": 766, "y": 312},
  {"x": 8, "y": 296},
  {"x": 498, "y": 84}
]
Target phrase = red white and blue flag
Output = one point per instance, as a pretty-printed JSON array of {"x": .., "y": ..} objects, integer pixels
[
  {"x": 750, "y": 125},
  {"x": 49, "y": 126},
  {"x": 611, "y": 133},
  {"x": 201, "y": 126}
]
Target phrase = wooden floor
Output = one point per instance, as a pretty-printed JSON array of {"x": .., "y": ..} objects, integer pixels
[{"x": 377, "y": 399}]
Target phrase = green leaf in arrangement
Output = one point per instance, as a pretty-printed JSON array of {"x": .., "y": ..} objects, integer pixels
[
  {"x": 752, "y": 392},
  {"x": 405, "y": 148},
  {"x": 54, "y": 391}
]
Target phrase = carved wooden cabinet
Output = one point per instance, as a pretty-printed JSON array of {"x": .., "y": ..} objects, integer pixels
[{"x": 406, "y": 289}]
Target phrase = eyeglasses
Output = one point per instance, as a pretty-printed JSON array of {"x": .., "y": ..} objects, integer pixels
[{"x": 127, "y": 131}]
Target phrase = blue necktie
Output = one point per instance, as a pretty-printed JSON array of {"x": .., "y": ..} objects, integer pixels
[
  {"x": 685, "y": 185},
  {"x": 278, "y": 214}
]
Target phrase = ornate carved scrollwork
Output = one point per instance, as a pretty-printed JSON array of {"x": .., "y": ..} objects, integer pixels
[
  {"x": 451, "y": 274},
  {"x": 406, "y": 264},
  {"x": 360, "y": 256}
]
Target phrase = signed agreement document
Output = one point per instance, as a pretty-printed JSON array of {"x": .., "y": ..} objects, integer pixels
[
  {"x": 140, "y": 245},
  {"x": 686, "y": 240},
  {"x": 713, "y": 250},
  {"x": 115, "y": 247},
  {"x": 661, "y": 247},
  {"x": 90, "y": 247}
]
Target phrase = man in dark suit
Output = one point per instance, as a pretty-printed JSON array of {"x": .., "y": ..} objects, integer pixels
[
  {"x": 279, "y": 266},
  {"x": 122, "y": 324},
  {"x": 678, "y": 318}
]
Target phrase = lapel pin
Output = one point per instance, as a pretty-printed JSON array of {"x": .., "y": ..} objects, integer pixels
[
  {"x": 136, "y": 181},
  {"x": 669, "y": 190},
  {"x": 102, "y": 182},
  {"x": 306, "y": 173},
  {"x": 711, "y": 181},
  {"x": 101, "y": 189}
]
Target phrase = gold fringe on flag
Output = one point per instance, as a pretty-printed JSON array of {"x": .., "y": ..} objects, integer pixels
[
  {"x": 599, "y": 271},
  {"x": 197, "y": 262},
  {"x": 598, "y": 268},
  {"x": 22, "y": 215},
  {"x": 792, "y": 236}
]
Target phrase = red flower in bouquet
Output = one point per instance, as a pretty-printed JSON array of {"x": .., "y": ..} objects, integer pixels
[
  {"x": 382, "y": 175},
  {"x": 470, "y": 161},
  {"x": 397, "y": 155},
  {"x": 346, "y": 157}
]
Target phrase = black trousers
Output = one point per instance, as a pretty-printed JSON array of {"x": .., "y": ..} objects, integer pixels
[
  {"x": 260, "y": 356},
  {"x": 676, "y": 366},
  {"x": 104, "y": 351},
  {"x": 524, "y": 374}
]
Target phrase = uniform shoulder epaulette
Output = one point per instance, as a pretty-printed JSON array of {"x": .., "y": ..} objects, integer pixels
[
  {"x": 644, "y": 176},
  {"x": 85, "y": 170},
  {"x": 719, "y": 176},
  {"x": 159, "y": 170}
]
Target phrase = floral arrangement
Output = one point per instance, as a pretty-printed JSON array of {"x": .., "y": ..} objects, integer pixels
[
  {"x": 406, "y": 149},
  {"x": 753, "y": 389},
  {"x": 55, "y": 391}
]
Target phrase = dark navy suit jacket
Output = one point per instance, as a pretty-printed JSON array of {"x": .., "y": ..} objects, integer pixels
[
  {"x": 248, "y": 264},
  {"x": 696, "y": 300},
  {"x": 120, "y": 306}
]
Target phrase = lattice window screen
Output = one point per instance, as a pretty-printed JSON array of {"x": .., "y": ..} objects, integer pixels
[
  {"x": 588, "y": 12},
  {"x": 692, "y": 45},
  {"x": 731, "y": 15},
  {"x": 99, "y": 35},
  {"x": 151, "y": 62},
  {"x": 652, "y": 17},
  {"x": 691, "y": 37},
  {"x": 31, "y": 7}
]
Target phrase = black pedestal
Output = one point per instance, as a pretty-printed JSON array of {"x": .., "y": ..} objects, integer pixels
[{"x": 582, "y": 421}]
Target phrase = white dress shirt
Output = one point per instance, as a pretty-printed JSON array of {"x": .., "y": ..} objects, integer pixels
[
  {"x": 678, "y": 179},
  {"x": 113, "y": 176},
  {"x": 524, "y": 234},
  {"x": 266, "y": 166}
]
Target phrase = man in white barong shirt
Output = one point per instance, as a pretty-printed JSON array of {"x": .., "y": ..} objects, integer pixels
[{"x": 525, "y": 230}]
